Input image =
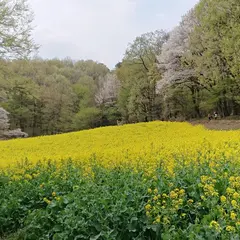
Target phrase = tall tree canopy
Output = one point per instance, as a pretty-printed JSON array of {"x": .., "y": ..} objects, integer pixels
[
  {"x": 52, "y": 96},
  {"x": 199, "y": 62},
  {"x": 138, "y": 75},
  {"x": 215, "y": 47},
  {"x": 15, "y": 29},
  {"x": 188, "y": 73}
]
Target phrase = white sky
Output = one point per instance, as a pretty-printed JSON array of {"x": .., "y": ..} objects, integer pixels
[{"x": 100, "y": 29}]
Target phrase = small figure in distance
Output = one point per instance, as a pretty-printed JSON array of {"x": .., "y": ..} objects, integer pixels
[
  {"x": 215, "y": 115},
  {"x": 209, "y": 117}
]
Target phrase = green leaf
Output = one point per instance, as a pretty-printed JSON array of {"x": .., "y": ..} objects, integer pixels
[{"x": 96, "y": 237}]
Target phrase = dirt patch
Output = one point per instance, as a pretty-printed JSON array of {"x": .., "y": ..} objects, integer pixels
[{"x": 219, "y": 124}]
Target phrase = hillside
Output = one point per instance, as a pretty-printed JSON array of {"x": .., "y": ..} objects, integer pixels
[
  {"x": 114, "y": 145},
  {"x": 136, "y": 181}
]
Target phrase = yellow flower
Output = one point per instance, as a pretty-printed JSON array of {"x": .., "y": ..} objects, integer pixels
[
  {"x": 155, "y": 191},
  {"x": 182, "y": 192},
  {"x": 35, "y": 175},
  {"x": 148, "y": 207},
  {"x": 232, "y": 179},
  {"x": 233, "y": 215},
  {"x": 149, "y": 190},
  {"x": 180, "y": 201},
  {"x": 148, "y": 214},
  {"x": 173, "y": 195},
  {"x": 164, "y": 195},
  {"x": 46, "y": 200},
  {"x": 158, "y": 219},
  {"x": 54, "y": 194},
  {"x": 230, "y": 191},
  {"x": 223, "y": 199},
  {"x": 236, "y": 195},
  {"x": 28, "y": 176},
  {"x": 215, "y": 225},
  {"x": 203, "y": 198},
  {"x": 166, "y": 220},
  {"x": 155, "y": 198},
  {"x": 16, "y": 178},
  {"x": 230, "y": 229},
  {"x": 204, "y": 179},
  {"x": 176, "y": 207},
  {"x": 234, "y": 203},
  {"x": 190, "y": 201}
]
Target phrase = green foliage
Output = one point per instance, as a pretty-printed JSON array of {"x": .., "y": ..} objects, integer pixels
[
  {"x": 15, "y": 29},
  {"x": 87, "y": 118},
  {"x": 138, "y": 74},
  {"x": 215, "y": 51},
  {"x": 110, "y": 114},
  {"x": 188, "y": 73},
  {"x": 46, "y": 202},
  {"x": 53, "y": 96}
]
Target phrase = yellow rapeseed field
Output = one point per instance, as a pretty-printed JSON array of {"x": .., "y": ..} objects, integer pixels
[
  {"x": 176, "y": 180},
  {"x": 143, "y": 145}
]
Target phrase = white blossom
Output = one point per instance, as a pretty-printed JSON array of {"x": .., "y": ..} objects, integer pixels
[{"x": 173, "y": 50}]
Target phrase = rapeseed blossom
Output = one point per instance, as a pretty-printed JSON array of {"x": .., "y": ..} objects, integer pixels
[
  {"x": 158, "y": 143},
  {"x": 215, "y": 225},
  {"x": 230, "y": 229},
  {"x": 223, "y": 199},
  {"x": 185, "y": 173}
]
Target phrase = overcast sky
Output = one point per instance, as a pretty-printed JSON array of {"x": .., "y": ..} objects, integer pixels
[{"x": 100, "y": 29}]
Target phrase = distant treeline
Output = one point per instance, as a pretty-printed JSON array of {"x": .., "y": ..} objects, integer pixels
[{"x": 184, "y": 74}]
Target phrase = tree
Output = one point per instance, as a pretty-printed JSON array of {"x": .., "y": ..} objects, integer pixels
[
  {"x": 4, "y": 121},
  {"x": 177, "y": 46},
  {"x": 108, "y": 89},
  {"x": 58, "y": 99},
  {"x": 87, "y": 118},
  {"x": 215, "y": 48},
  {"x": 15, "y": 38},
  {"x": 145, "y": 49},
  {"x": 15, "y": 29},
  {"x": 138, "y": 77},
  {"x": 176, "y": 65},
  {"x": 44, "y": 96}
]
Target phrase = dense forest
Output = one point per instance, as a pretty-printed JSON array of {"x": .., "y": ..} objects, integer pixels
[{"x": 184, "y": 74}]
